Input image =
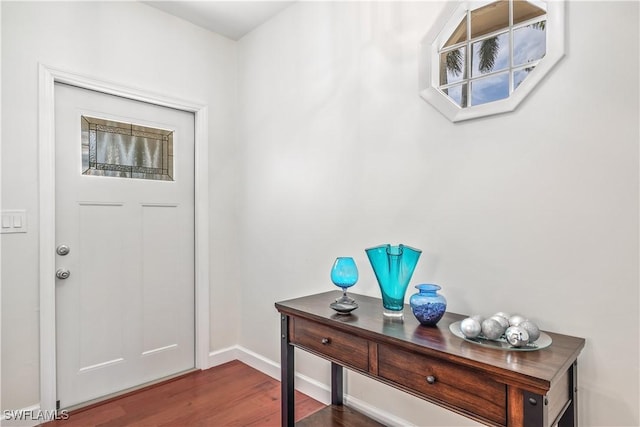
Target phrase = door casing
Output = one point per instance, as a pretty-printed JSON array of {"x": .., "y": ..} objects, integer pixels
[{"x": 46, "y": 167}]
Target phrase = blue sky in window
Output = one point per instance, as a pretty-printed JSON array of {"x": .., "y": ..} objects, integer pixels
[
  {"x": 455, "y": 93},
  {"x": 519, "y": 76},
  {"x": 490, "y": 89},
  {"x": 529, "y": 44}
]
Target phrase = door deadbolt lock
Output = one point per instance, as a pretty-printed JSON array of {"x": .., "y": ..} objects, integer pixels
[
  {"x": 62, "y": 250},
  {"x": 63, "y": 273}
]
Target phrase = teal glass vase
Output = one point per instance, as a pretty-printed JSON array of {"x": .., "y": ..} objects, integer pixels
[{"x": 393, "y": 267}]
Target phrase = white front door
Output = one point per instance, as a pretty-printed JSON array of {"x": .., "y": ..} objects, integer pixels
[{"x": 125, "y": 214}]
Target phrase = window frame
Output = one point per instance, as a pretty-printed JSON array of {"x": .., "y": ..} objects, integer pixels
[{"x": 444, "y": 27}]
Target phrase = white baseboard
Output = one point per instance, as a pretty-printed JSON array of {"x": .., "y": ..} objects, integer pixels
[
  {"x": 223, "y": 356},
  {"x": 306, "y": 385},
  {"x": 312, "y": 388}
]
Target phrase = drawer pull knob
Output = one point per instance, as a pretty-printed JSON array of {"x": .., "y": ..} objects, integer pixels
[
  {"x": 431, "y": 379},
  {"x": 326, "y": 341}
]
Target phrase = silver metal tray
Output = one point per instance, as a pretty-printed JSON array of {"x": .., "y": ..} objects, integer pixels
[{"x": 501, "y": 343}]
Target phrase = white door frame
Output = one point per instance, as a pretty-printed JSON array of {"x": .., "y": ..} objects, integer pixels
[{"x": 46, "y": 138}]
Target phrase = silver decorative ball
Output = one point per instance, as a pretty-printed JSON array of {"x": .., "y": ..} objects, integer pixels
[
  {"x": 503, "y": 314},
  {"x": 479, "y": 317},
  {"x": 516, "y": 319},
  {"x": 532, "y": 329},
  {"x": 503, "y": 321},
  {"x": 470, "y": 327},
  {"x": 517, "y": 336},
  {"x": 492, "y": 329}
]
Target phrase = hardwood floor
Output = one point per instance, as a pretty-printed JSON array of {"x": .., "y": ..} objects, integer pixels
[{"x": 232, "y": 394}]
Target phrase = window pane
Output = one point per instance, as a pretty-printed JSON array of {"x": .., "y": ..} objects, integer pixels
[
  {"x": 459, "y": 35},
  {"x": 491, "y": 54},
  {"x": 529, "y": 43},
  {"x": 490, "y": 18},
  {"x": 126, "y": 150},
  {"x": 490, "y": 89},
  {"x": 453, "y": 66},
  {"x": 520, "y": 75},
  {"x": 523, "y": 11},
  {"x": 457, "y": 94}
]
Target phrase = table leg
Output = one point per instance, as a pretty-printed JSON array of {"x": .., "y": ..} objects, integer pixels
[
  {"x": 337, "y": 379},
  {"x": 287, "y": 375},
  {"x": 570, "y": 416},
  {"x": 535, "y": 410}
]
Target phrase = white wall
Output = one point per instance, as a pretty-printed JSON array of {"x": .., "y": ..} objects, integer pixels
[
  {"x": 534, "y": 211},
  {"x": 133, "y": 45}
]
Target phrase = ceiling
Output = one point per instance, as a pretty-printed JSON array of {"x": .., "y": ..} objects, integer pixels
[{"x": 232, "y": 19}]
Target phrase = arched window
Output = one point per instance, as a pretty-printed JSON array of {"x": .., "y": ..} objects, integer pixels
[{"x": 487, "y": 56}]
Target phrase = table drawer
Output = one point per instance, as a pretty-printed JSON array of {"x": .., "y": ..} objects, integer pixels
[
  {"x": 459, "y": 387},
  {"x": 344, "y": 348}
]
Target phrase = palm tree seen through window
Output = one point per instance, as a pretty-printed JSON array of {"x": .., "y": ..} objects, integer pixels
[{"x": 491, "y": 51}]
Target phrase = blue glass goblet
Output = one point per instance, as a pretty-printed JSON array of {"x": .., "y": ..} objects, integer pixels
[{"x": 344, "y": 274}]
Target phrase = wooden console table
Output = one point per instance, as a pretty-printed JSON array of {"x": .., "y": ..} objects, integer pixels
[{"x": 492, "y": 386}]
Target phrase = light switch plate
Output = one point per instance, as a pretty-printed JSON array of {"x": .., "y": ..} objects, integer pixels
[{"x": 13, "y": 221}]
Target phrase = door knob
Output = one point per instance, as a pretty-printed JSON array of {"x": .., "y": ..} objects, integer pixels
[
  {"x": 62, "y": 273},
  {"x": 62, "y": 250}
]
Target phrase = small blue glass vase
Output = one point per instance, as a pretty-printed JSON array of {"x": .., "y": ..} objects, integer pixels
[
  {"x": 428, "y": 306},
  {"x": 344, "y": 274}
]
